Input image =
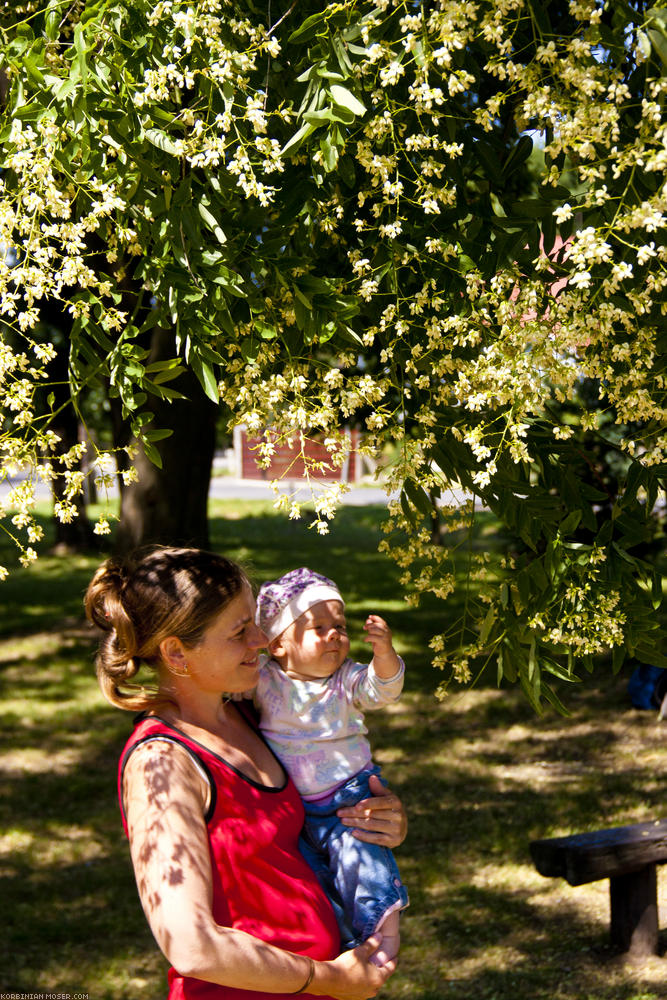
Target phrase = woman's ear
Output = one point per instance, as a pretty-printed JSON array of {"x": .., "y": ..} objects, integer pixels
[{"x": 173, "y": 655}]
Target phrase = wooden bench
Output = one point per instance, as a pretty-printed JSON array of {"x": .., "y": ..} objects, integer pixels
[{"x": 627, "y": 856}]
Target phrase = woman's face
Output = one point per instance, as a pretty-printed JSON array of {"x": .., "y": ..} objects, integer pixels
[{"x": 226, "y": 658}]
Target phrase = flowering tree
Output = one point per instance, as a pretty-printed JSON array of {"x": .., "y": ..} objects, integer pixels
[{"x": 323, "y": 210}]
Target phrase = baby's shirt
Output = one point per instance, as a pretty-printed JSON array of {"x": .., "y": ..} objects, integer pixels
[{"x": 316, "y": 727}]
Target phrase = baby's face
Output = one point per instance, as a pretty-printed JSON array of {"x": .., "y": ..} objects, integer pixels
[{"x": 316, "y": 644}]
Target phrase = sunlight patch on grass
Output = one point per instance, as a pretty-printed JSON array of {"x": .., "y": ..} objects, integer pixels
[
  {"x": 15, "y": 842},
  {"x": 502, "y": 957},
  {"x": 38, "y": 646},
  {"x": 462, "y": 702},
  {"x": 508, "y": 875},
  {"x": 65, "y": 844},
  {"x": 35, "y": 760}
]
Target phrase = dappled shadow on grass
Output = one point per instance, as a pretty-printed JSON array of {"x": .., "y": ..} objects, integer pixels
[
  {"x": 504, "y": 940},
  {"x": 65, "y": 874},
  {"x": 481, "y": 776}
]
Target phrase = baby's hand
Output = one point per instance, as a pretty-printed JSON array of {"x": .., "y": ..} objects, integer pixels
[
  {"x": 379, "y": 635},
  {"x": 386, "y": 663}
]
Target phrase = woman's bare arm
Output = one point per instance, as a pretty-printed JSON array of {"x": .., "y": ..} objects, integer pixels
[{"x": 165, "y": 801}]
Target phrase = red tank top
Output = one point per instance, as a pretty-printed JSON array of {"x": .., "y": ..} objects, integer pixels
[{"x": 261, "y": 882}]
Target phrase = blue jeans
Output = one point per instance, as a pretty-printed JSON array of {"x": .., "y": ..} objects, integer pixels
[{"x": 361, "y": 880}]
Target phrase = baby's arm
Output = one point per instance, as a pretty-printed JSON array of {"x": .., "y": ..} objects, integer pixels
[{"x": 386, "y": 663}]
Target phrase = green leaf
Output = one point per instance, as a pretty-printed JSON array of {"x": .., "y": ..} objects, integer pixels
[
  {"x": 489, "y": 619},
  {"x": 532, "y": 208},
  {"x": 161, "y": 140},
  {"x": 33, "y": 71},
  {"x": 532, "y": 658},
  {"x": 418, "y": 497},
  {"x": 617, "y": 658},
  {"x": 212, "y": 257},
  {"x": 81, "y": 49},
  {"x": 29, "y": 112},
  {"x": 293, "y": 144},
  {"x": 407, "y": 509},
  {"x": 302, "y": 298},
  {"x": 623, "y": 554},
  {"x": 650, "y": 654},
  {"x": 531, "y": 693},
  {"x": 551, "y": 696},
  {"x": 635, "y": 478},
  {"x": 656, "y": 589},
  {"x": 510, "y": 668},
  {"x": 157, "y": 434},
  {"x": 265, "y": 331},
  {"x": 552, "y": 667},
  {"x": 310, "y": 27},
  {"x": 518, "y": 155},
  {"x": 346, "y": 99},
  {"x": 329, "y": 154},
  {"x": 206, "y": 376},
  {"x": 52, "y": 19},
  {"x": 230, "y": 281},
  {"x": 212, "y": 223},
  {"x": 658, "y": 44},
  {"x": 317, "y": 118},
  {"x": 346, "y": 171},
  {"x": 347, "y": 333},
  {"x": 658, "y": 13},
  {"x": 152, "y": 454},
  {"x": 570, "y": 523}
]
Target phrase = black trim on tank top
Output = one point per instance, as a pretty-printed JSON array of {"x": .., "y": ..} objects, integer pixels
[
  {"x": 244, "y": 777},
  {"x": 241, "y": 709}
]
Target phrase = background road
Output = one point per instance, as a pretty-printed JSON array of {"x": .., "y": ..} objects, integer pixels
[{"x": 230, "y": 488}]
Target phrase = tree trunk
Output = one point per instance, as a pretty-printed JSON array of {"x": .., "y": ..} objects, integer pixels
[
  {"x": 77, "y": 535},
  {"x": 169, "y": 505}
]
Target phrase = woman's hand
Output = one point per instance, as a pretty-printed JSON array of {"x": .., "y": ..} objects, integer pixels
[
  {"x": 352, "y": 976},
  {"x": 378, "y": 820}
]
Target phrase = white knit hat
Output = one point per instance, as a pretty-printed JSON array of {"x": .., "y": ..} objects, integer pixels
[{"x": 280, "y": 602}]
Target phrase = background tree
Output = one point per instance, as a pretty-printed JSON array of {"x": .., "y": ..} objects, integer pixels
[{"x": 324, "y": 206}]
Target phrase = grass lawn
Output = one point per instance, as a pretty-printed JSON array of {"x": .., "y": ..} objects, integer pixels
[{"x": 479, "y": 773}]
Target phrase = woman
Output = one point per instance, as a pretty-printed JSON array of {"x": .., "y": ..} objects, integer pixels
[{"x": 212, "y": 819}]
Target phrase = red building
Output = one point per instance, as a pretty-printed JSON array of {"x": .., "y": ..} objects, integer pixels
[{"x": 287, "y": 462}]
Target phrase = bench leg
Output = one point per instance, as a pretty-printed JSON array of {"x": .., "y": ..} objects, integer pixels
[{"x": 634, "y": 911}]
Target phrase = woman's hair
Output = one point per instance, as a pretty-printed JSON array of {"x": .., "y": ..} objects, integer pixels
[{"x": 140, "y": 600}]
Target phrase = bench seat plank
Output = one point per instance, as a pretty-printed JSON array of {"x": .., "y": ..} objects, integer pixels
[{"x": 588, "y": 857}]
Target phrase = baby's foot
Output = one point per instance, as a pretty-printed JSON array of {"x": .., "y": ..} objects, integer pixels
[
  {"x": 391, "y": 940},
  {"x": 387, "y": 950}
]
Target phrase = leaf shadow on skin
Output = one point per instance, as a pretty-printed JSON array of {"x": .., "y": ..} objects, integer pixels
[{"x": 171, "y": 862}]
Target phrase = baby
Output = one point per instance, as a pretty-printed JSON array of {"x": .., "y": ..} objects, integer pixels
[{"x": 311, "y": 697}]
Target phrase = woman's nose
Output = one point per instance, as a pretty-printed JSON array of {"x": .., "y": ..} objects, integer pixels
[{"x": 256, "y": 638}]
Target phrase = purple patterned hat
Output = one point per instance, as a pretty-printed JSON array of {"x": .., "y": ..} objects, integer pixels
[{"x": 280, "y": 602}]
